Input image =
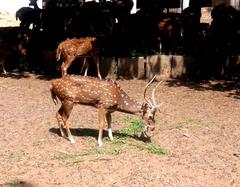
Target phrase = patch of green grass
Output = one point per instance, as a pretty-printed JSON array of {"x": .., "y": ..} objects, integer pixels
[
  {"x": 113, "y": 151},
  {"x": 123, "y": 140},
  {"x": 119, "y": 141},
  {"x": 136, "y": 126},
  {"x": 73, "y": 162},
  {"x": 187, "y": 123},
  {"x": 70, "y": 158},
  {"x": 68, "y": 155},
  {"x": 192, "y": 122},
  {"x": 156, "y": 150},
  {"x": 175, "y": 126},
  {"x": 100, "y": 159},
  {"x": 16, "y": 183},
  {"x": 73, "y": 158},
  {"x": 151, "y": 148},
  {"x": 18, "y": 155},
  {"x": 11, "y": 183},
  {"x": 92, "y": 151}
]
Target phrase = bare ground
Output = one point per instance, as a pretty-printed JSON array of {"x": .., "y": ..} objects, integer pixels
[{"x": 198, "y": 127}]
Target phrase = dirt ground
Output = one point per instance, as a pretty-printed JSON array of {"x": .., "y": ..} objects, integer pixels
[{"x": 198, "y": 128}]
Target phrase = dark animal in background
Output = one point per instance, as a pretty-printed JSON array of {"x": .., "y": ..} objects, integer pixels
[
  {"x": 191, "y": 27},
  {"x": 70, "y": 49},
  {"x": 225, "y": 29},
  {"x": 28, "y": 16},
  {"x": 171, "y": 34},
  {"x": 106, "y": 96},
  {"x": 91, "y": 19},
  {"x": 13, "y": 43}
]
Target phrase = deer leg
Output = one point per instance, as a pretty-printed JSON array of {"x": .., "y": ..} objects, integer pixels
[
  {"x": 96, "y": 60},
  {"x": 67, "y": 108},
  {"x": 60, "y": 121},
  {"x": 101, "y": 121},
  {"x": 87, "y": 66},
  {"x": 22, "y": 63},
  {"x": 86, "y": 70},
  {"x": 109, "y": 121},
  {"x": 65, "y": 66},
  {"x": 84, "y": 66},
  {"x": 63, "y": 69},
  {"x": 3, "y": 68}
]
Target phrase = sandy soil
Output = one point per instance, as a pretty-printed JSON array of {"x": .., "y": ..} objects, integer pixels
[
  {"x": 8, "y": 19},
  {"x": 198, "y": 127}
]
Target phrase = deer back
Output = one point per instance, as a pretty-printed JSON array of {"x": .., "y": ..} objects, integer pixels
[
  {"x": 71, "y": 48},
  {"x": 92, "y": 91}
]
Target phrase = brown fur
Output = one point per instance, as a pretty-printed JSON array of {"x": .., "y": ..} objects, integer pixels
[
  {"x": 70, "y": 49},
  {"x": 105, "y": 95}
]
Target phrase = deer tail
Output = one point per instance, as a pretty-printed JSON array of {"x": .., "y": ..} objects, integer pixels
[{"x": 54, "y": 96}]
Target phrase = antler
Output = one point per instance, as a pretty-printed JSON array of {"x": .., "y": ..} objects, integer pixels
[
  {"x": 153, "y": 94},
  {"x": 145, "y": 90},
  {"x": 153, "y": 105}
]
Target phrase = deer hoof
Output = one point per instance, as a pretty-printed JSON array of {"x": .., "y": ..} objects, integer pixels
[
  {"x": 110, "y": 135},
  {"x": 72, "y": 140},
  {"x": 100, "y": 143}
]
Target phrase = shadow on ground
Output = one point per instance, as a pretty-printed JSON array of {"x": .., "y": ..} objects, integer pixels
[
  {"x": 232, "y": 86},
  {"x": 87, "y": 132}
]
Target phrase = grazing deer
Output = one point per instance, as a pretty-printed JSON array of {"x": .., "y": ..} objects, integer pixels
[
  {"x": 70, "y": 49},
  {"x": 105, "y": 95}
]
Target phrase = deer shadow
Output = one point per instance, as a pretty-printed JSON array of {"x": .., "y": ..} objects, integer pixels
[
  {"x": 17, "y": 75},
  {"x": 87, "y": 132}
]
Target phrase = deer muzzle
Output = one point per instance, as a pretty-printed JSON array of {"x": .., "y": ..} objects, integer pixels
[
  {"x": 149, "y": 127},
  {"x": 148, "y": 130}
]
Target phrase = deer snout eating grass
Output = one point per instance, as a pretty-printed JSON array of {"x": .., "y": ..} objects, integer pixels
[{"x": 106, "y": 96}]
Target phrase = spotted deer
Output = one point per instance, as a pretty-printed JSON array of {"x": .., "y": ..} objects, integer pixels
[
  {"x": 70, "y": 49},
  {"x": 106, "y": 96}
]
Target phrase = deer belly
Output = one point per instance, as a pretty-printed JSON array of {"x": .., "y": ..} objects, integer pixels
[{"x": 96, "y": 102}]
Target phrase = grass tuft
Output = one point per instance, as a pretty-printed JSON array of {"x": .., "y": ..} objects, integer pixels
[
  {"x": 136, "y": 126},
  {"x": 187, "y": 123},
  {"x": 104, "y": 151},
  {"x": 123, "y": 140},
  {"x": 151, "y": 148},
  {"x": 157, "y": 150}
]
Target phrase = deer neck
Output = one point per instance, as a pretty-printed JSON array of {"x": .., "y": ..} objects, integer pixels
[{"x": 129, "y": 105}]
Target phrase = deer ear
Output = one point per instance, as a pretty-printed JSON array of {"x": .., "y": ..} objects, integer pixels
[
  {"x": 144, "y": 109},
  {"x": 144, "y": 106}
]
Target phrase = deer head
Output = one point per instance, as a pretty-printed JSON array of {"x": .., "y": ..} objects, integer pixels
[{"x": 150, "y": 108}]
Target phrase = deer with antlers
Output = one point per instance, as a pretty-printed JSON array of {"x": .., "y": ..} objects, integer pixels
[{"x": 106, "y": 96}]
